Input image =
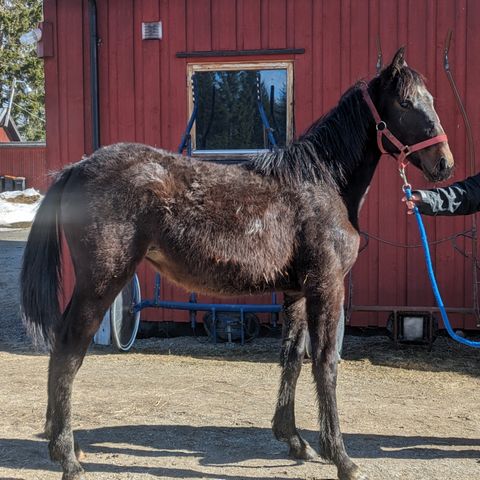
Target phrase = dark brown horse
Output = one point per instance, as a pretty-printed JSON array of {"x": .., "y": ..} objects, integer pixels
[{"x": 286, "y": 220}]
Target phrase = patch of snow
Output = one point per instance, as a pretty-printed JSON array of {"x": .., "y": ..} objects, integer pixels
[
  {"x": 29, "y": 192},
  {"x": 18, "y": 207}
]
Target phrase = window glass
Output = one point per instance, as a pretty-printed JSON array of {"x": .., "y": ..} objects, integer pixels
[{"x": 228, "y": 116}]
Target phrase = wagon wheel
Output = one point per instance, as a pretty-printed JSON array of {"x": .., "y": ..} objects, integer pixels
[
  {"x": 251, "y": 325},
  {"x": 123, "y": 319}
]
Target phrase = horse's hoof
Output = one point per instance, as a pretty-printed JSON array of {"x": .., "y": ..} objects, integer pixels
[
  {"x": 302, "y": 451},
  {"x": 79, "y": 475},
  {"x": 354, "y": 474}
]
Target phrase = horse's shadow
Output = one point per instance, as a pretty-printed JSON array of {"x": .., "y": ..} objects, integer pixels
[{"x": 218, "y": 447}]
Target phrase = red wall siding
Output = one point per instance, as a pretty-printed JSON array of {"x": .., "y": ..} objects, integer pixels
[
  {"x": 144, "y": 98},
  {"x": 27, "y": 161}
]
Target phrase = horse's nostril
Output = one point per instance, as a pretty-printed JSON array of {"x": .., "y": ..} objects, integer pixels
[{"x": 443, "y": 164}]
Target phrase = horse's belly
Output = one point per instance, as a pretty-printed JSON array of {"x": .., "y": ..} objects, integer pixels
[{"x": 216, "y": 277}]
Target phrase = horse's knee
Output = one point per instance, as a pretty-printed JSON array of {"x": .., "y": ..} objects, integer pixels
[{"x": 293, "y": 349}]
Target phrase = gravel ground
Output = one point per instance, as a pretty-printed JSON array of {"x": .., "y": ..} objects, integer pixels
[
  {"x": 12, "y": 243},
  {"x": 180, "y": 408}
]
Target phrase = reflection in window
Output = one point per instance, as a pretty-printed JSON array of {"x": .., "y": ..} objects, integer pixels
[{"x": 228, "y": 116}]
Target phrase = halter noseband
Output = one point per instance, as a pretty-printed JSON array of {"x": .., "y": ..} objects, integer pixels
[{"x": 383, "y": 131}]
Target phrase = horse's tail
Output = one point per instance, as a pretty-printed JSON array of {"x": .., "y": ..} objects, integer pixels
[{"x": 41, "y": 270}]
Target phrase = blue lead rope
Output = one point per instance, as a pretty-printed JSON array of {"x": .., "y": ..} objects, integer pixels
[{"x": 428, "y": 259}]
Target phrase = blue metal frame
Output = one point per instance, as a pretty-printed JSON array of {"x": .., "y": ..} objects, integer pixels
[
  {"x": 187, "y": 137},
  {"x": 263, "y": 116},
  {"x": 192, "y": 306}
]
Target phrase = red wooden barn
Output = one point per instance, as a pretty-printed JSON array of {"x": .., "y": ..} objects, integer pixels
[{"x": 318, "y": 48}]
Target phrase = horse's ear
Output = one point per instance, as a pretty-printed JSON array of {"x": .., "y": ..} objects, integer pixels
[{"x": 398, "y": 62}]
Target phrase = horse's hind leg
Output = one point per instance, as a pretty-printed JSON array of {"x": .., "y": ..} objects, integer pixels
[
  {"x": 49, "y": 413},
  {"x": 72, "y": 339},
  {"x": 52, "y": 380},
  {"x": 291, "y": 359},
  {"x": 323, "y": 303},
  {"x": 96, "y": 288}
]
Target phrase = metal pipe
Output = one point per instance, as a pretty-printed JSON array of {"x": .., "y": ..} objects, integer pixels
[
  {"x": 208, "y": 307},
  {"x": 187, "y": 138},
  {"x": 407, "y": 308},
  {"x": 94, "y": 90},
  {"x": 156, "y": 297},
  {"x": 193, "y": 313},
  {"x": 379, "y": 64},
  {"x": 263, "y": 116},
  {"x": 10, "y": 103}
]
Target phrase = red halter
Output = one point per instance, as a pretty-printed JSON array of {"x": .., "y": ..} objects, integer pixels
[{"x": 382, "y": 130}]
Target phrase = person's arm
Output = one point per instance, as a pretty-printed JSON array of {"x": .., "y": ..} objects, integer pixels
[{"x": 460, "y": 198}]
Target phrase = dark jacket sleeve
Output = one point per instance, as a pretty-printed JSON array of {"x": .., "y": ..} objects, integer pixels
[{"x": 460, "y": 198}]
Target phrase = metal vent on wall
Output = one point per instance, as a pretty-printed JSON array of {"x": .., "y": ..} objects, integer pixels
[{"x": 151, "y": 30}]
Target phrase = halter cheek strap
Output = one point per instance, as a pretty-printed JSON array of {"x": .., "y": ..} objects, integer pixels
[{"x": 382, "y": 131}]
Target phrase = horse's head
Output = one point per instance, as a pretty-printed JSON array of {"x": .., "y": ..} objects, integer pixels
[{"x": 406, "y": 107}]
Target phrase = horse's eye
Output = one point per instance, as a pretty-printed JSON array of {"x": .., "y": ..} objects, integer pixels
[{"x": 406, "y": 104}]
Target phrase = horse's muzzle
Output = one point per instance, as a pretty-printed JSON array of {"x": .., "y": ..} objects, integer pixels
[{"x": 437, "y": 163}]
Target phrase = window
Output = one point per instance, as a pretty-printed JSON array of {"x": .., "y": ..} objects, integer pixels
[{"x": 228, "y": 120}]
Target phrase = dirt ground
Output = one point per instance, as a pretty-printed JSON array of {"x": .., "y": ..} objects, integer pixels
[{"x": 179, "y": 408}]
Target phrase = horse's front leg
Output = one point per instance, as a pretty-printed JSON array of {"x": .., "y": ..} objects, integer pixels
[
  {"x": 291, "y": 358},
  {"x": 323, "y": 303}
]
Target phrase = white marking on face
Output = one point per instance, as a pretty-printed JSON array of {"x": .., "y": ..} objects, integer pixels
[
  {"x": 423, "y": 100},
  {"x": 422, "y": 96}
]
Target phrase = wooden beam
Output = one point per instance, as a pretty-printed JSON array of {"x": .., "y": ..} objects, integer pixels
[{"x": 241, "y": 53}]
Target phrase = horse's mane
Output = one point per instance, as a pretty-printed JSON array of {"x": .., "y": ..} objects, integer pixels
[
  {"x": 334, "y": 145},
  {"x": 327, "y": 151}
]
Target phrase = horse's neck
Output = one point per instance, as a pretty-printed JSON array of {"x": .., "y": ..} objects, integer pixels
[{"x": 357, "y": 184}]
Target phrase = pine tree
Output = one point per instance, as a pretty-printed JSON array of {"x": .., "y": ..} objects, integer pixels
[
  {"x": 233, "y": 121},
  {"x": 280, "y": 112},
  {"x": 21, "y": 63}
]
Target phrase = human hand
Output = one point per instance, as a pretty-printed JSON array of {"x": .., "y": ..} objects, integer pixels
[{"x": 412, "y": 203}]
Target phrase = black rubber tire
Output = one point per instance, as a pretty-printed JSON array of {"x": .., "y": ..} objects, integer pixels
[{"x": 124, "y": 322}]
